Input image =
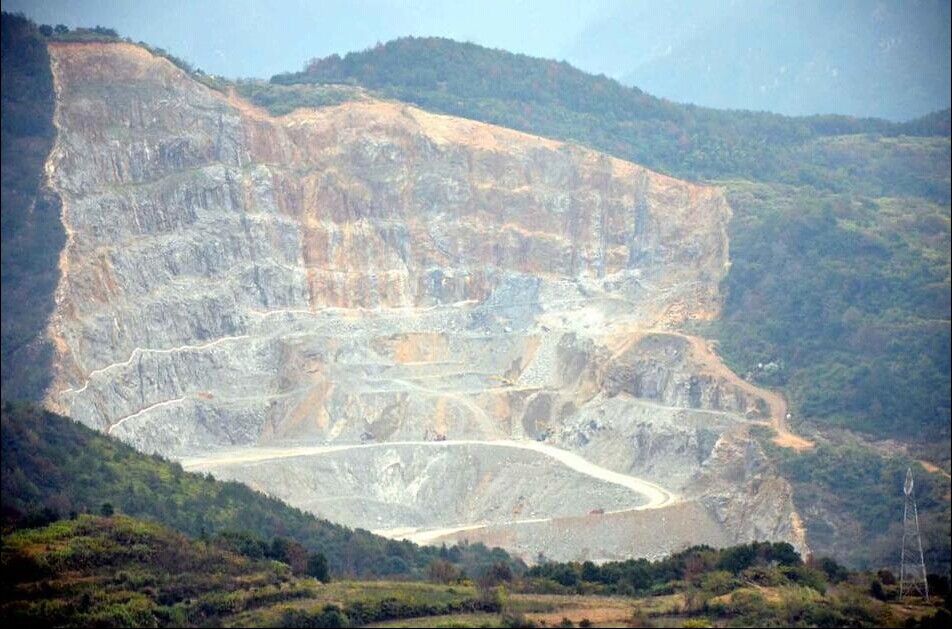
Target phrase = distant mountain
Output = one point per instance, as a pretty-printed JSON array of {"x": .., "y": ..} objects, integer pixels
[
  {"x": 557, "y": 100},
  {"x": 884, "y": 59}
]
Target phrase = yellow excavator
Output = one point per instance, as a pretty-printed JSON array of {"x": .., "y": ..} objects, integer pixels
[{"x": 506, "y": 382}]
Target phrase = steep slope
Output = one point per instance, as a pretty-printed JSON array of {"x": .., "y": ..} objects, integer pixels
[
  {"x": 53, "y": 466},
  {"x": 371, "y": 205},
  {"x": 32, "y": 234},
  {"x": 370, "y": 273},
  {"x": 849, "y": 213}
]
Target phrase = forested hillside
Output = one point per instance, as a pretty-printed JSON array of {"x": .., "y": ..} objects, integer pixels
[
  {"x": 839, "y": 287},
  {"x": 53, "y": 467},
  {"x": 117, "y": 571},
  {"x": 557, "y": 100},
  {"x": 121, "y": 572},
  {"x": 32, "y": 232}
]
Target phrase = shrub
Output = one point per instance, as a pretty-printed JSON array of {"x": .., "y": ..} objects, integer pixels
[{"x": 718, "y": 582}]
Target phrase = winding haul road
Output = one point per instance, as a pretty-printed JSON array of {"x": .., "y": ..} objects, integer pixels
[{"x": 656, "y": 496}]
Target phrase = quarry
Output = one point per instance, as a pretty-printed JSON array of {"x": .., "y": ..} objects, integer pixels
[{"x": 425, "y": 326}]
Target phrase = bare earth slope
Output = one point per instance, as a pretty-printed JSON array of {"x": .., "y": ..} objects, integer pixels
[{"x": 371, "y": 273}]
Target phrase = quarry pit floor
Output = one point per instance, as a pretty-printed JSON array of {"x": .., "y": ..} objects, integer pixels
[{"x": 651, "y": 495}]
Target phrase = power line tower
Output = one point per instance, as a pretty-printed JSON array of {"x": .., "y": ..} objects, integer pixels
[{"x": 912, "y": 571}]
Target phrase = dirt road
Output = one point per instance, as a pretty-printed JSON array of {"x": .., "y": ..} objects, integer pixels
[
  {"x": 702, "y": 352},
  {"x": 778, "y": 405},
  {"x": 656, "y": 496}
]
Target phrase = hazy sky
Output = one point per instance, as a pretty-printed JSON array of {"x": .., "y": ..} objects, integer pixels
[{"x": 261, "y": 38}]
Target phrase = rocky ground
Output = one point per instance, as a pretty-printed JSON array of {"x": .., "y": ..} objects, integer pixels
[{"x": 371, "y": 274}]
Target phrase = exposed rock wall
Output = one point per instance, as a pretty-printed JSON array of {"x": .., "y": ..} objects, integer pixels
[
  {"x": 663, "y": 369},
  {"x": 194, "y": 219},
  {"x": 374, "y": 272}
]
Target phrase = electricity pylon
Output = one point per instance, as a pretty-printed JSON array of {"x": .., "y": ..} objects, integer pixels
[{"x": 912, "y": 571}]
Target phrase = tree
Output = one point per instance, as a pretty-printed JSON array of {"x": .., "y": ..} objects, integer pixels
[
  {"x": 331, "y": 617},
  {"x": 106, "y": 510},
  {"x": 442, "y": 571},
  {"x": 590, "y": 572},
  {"x": 886, "y": 576},
  {"x": 500, "y": 572},
  {"x": 497, "y": 573},
  {"x": 317, "y": 567},
  {"x": 290, "y": 552},
  {"x": 834, "y": 571},
  {"x": 46, "y": 30}
]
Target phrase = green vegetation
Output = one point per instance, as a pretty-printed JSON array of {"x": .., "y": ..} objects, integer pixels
[
  {"x": 752, "y": 585},
  {"x": 848, "y": 492},
  {"x": 556, "y": 100},
  {"x": 123, "y": 572},
  {"x": 840, "y": 243},
  {"x": 718, "y": 568},
  {"x": 280, "y": 100},
  {"x": 357, "y": 603},
  {"x": 32, "y": 235},
  {"x": 53, "y": 466},
  {"x": 119, "y": 571},
  {"x": 845, "y": 301}
]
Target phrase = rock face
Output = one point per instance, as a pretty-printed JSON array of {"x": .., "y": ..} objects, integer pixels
[{"x": 371, "y": 272}]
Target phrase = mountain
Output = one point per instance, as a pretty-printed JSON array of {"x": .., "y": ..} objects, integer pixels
[
  {"x": 838, "y": 289},
  {"x": 884, "y": 59},
  {"x": 557, "y": 100},
  {"x": 446, "y": 330},
  {"x": 833, "y": 210},
  {"x": 267, "y": 297}
]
